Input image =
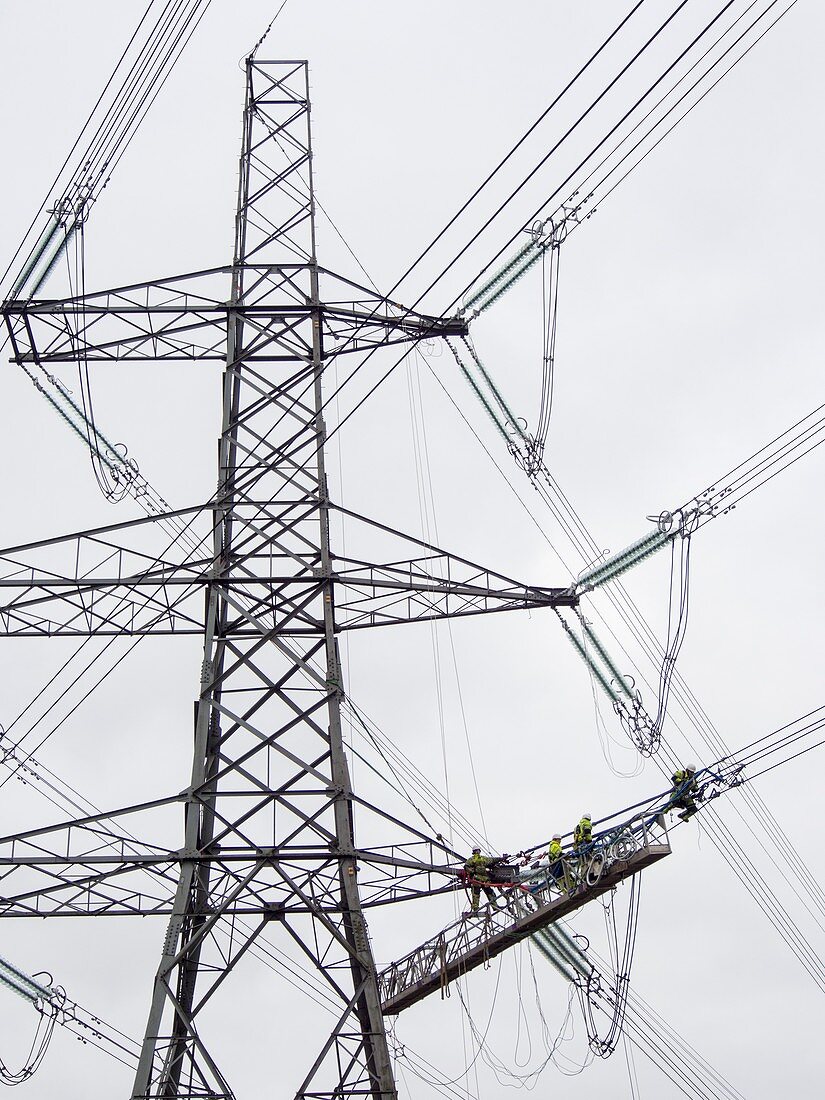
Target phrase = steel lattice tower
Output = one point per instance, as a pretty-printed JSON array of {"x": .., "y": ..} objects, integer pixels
[{"x": 269, "y": 810}]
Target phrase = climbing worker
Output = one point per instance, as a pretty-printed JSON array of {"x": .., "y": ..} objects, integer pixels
[
  {"x": 684, "y": 787},
  {"x": 477, "y": 873},
  {"x": 583, "y": 833}
]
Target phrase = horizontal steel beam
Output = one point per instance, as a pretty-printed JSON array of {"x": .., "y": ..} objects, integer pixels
[{"x": 273, "y": 857}]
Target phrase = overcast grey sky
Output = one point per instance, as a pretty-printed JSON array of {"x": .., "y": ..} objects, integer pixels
[{"x": 690, "y": 333}]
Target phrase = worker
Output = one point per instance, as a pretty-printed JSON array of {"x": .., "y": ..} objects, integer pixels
[
  {"x": 583, "y": 833},
  {"x": 684, "y": 787},
  {"x": 557, "y": 871},
  {"x": 477, "y": 872}
]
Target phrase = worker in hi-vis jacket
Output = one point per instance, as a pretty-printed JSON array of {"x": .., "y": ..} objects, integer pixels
[
  {"x": 684, "y": 788},
  {"x": 477, "y": 872},
  {"x": 583, "y": 833}
]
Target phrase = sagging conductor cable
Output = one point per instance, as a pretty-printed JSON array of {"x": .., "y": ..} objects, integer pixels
[
  {"x": 624, "y": 697},
  {"x": 48, "y": 1000}
]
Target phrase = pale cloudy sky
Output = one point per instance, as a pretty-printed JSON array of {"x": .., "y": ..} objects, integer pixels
[{"x": 689, "y": 335}]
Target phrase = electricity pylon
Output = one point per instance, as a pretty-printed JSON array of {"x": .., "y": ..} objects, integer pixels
[{"x": 269, "y": 809}]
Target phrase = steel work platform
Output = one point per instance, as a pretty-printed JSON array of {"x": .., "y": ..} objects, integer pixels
[{"x": 473, "y": 940}]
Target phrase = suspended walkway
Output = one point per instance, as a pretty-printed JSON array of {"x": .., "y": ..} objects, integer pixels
[{"x": 523, "y": 909}]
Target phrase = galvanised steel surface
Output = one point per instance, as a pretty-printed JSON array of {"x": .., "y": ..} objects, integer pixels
[{"x": 269, "y": 808}]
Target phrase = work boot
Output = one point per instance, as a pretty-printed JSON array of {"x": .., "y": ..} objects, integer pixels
[{"x": 684, "y": 815}]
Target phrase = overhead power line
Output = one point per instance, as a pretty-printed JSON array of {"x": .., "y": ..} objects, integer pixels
[
  {"x": 791, "y": 444},
  {"x": 571, "y": 212},
  {"x": 140, "y": 73},
  {"x": 567, "y": 214},
  {"x": 518, "y": 145}
]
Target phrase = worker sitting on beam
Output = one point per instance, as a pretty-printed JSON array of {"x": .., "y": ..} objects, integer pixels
[{"x": 681, "y": 795}]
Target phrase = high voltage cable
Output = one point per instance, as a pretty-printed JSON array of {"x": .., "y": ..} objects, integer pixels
[
  {"x": 502, "y": 206},
  {"x": 728, "y": 770},
  {"x": 79, "y": 138},
  {"x": 571, "y": 213},
  {"x": 664, "y": 1046},
  {"x": 797, "y": 868},
  {"x": 668, "y": 1052},
  {"x": 554, "y": 148},
  {"x": 112, "y": 134},
  {"x": 766, "y": 898},
  {"x": 696, "y": 714},
  {"x": 769, "y": 742},
  {"x": 427, "y": 493},
  {"x": 388, "y": 372},
  {"x": 734, "y": 855},
  {"x": 744, "y": 468},
  {"x": 783, "y": 451},
  {"x": 568, "y": 181},
  {"x": 445, "y": 270},
  {"x": 627, "y": 610},
  {"x": 587, "y": 547},
  {"x": 404, "y": 771},
  {"x": 672, "y": 1055},
  {"x": 593, "y": 57},
  {"x": 693, "y": 105},
  {"x": 110, "y": 138}
]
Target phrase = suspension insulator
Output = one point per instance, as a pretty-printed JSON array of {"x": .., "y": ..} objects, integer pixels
[
  {"x": 603, "y": 682},
  {"x": 19, "y": 981},
  {"x": 608, "y": 660},
  {"x": 554, "y": 956}
]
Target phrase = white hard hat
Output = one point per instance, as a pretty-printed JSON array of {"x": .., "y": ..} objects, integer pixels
[
  {"x": 556, "y": 836},
  {"x": 690, "y": 767},
  {"x": 586, "y": 817}
]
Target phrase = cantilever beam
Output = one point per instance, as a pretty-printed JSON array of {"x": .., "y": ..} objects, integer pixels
[
  {"x": 184, "y": 317},
  {"x": 115, "y": 580}
]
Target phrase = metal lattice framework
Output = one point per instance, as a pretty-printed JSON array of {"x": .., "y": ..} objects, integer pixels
[{"x": 269, "y": 807}]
